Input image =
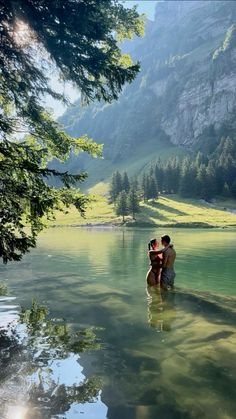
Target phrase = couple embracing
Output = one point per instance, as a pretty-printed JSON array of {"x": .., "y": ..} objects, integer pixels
[{"x": 162, "y": 263}]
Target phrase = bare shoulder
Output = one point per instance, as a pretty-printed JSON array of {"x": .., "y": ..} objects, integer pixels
[
  {"x": 173, "y": 251},
  {"x": 170, "y": 251}
]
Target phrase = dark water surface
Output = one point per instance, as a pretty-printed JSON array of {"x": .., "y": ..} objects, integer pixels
[{"x": 96, "y": 344}]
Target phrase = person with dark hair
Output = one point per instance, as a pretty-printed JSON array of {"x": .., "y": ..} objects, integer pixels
[
  {"x": 155, "y": 256},
  {"x": 169, "y": 255},
  {"x": 153, "y": 274}
]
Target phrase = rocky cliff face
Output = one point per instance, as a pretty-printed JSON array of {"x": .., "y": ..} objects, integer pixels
[
  {"x": 203, "y": 73},
  {"x": 187, "y": 83}
]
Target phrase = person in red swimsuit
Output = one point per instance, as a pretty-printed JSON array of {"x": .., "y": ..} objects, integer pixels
[{"x": 155, "y": 256}]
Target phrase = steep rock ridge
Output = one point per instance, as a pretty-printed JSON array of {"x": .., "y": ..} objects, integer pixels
[
  {"x": 187, "y": 83},
  {"x": 205, "y": 81}
]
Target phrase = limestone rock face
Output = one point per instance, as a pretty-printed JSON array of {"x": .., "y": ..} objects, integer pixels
[
  {"x": 206, "y": 74},
  {"x": 199, "y": 107},
  {"x": 169, "y": 12},
  {"x": 186, "y": 86}
]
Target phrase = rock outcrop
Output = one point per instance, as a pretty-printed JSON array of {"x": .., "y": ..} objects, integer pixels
[{"x": 186, "y": 86}]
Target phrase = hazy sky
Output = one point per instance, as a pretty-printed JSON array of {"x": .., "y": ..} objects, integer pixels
[{"x": 144, "y": 6}]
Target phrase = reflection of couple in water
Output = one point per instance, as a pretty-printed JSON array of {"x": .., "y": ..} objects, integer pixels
[
  {"x": 161, "y": 308},
  {"x": 162, "y": 263}
]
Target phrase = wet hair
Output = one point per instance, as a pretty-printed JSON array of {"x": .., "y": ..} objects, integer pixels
[
  {"x": 165, "y": 239},
  {"x": 151, "y": 243}
]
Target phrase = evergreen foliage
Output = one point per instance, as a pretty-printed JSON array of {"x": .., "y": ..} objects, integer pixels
[
  {"x": 125, "y": 194},
  {"x": 80, "y": 41},
  {"x": 152, "y": 188},
  {"x": 116, "y": 186},
  {"x": 144, "y": 187},
  {"x": 200, "y": 176},
  {"x": 121, "y": 205},
  {"x": 133, "y": 202},
  {"x": 197, "y": 176},
  {"x": 125, "y": 183}
]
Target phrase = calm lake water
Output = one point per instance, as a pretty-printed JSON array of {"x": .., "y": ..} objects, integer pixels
[{"x": 95, "y": 344}]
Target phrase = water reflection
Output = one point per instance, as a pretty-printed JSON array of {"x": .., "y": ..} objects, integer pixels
[
  {"x": 39, "y": 370},
  {"x": 180, "y": 372},
  {"x": 161, "y": 308},
  {"x": 177, "y": 363}
]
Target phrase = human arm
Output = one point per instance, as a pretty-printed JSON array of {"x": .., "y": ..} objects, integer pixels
[
  {"x": 159, "y": 252},
  {"x": 154, "y": 256}
]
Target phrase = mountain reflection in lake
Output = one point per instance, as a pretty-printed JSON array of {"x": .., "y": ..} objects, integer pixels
[{"x": 109, "y": 348}]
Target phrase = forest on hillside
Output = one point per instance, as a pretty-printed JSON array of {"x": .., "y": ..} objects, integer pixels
[
  {"x": 197, "y": 176},
  {"x": 183, "y": 96}
]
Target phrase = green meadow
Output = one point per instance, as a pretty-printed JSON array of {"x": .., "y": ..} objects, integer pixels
[{"x": 168, "y": 210}]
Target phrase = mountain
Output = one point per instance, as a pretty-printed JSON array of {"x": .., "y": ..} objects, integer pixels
[{"x": 184, "y": 95}]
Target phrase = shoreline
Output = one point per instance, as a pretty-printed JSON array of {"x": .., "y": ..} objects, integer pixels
[
  {"x": 165, "y": 212},
  {"x": 111, "y": 226}
]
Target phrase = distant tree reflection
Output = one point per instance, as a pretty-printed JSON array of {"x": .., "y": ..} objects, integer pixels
[
  {"x": 28, "y": 350},
  {"x": 3, "y": 289}
]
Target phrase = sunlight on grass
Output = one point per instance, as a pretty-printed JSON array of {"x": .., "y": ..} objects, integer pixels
[
  {"x": 99, "y": 212},
  {"x": 101, "y": 188},
  {"x": 173, "y": 211},
  {"x": 166, "y": 211}
]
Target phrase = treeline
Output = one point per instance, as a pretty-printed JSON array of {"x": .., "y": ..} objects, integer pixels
[
  {"x": 198, "y": 176},
  {"x": 195, "y": 176},
  {"x": 124, "y": 194}
]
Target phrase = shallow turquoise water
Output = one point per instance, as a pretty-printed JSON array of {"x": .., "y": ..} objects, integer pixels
[{"x": 154, "y": 355}]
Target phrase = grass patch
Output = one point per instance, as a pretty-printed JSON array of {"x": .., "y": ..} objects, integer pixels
[
  {"x": 99, "y": 212},
  {"x": 167, "y": 211},
  {"x": 139, "y": 161},
  {"x": 177, "y": 212}
]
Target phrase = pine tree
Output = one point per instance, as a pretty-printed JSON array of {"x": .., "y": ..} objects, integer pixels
[
  {"x": 200, "y": 159},
  {"x": 135, "y": 183},
  {"x": 159, "y": 175},
  {"x": 79, "y": 41},
  {"x": 171, "y": 178},
  {"x": 226, "y": 190},
  {"x": 211, "y": 180},
  {"x": 116, "y": 186},
  {"x": 125, "y": 183},
  {"x": 205, "y": 181},
  {"x": 233, "y": 189},
  {"x": 185, "y": 187},
  {"x": 119, "y": 185},
  {"x": 121, "y": 205},
  {"x": 145, "y": 185},
  {"x": 167, "y": 177},
  {"x": 175, "y": 174},
  {"x": 152, "y": 188},
  {"x": 133, "y": 202},
  {"x": 113, "y": 191}
]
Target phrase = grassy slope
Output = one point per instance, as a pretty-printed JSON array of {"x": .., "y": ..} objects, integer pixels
[
  {"x": 166, "y": 211},
  {"x": 139, "y": 161}
]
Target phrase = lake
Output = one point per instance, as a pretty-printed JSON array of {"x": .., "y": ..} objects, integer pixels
[{"x": 92, "y": 342}]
